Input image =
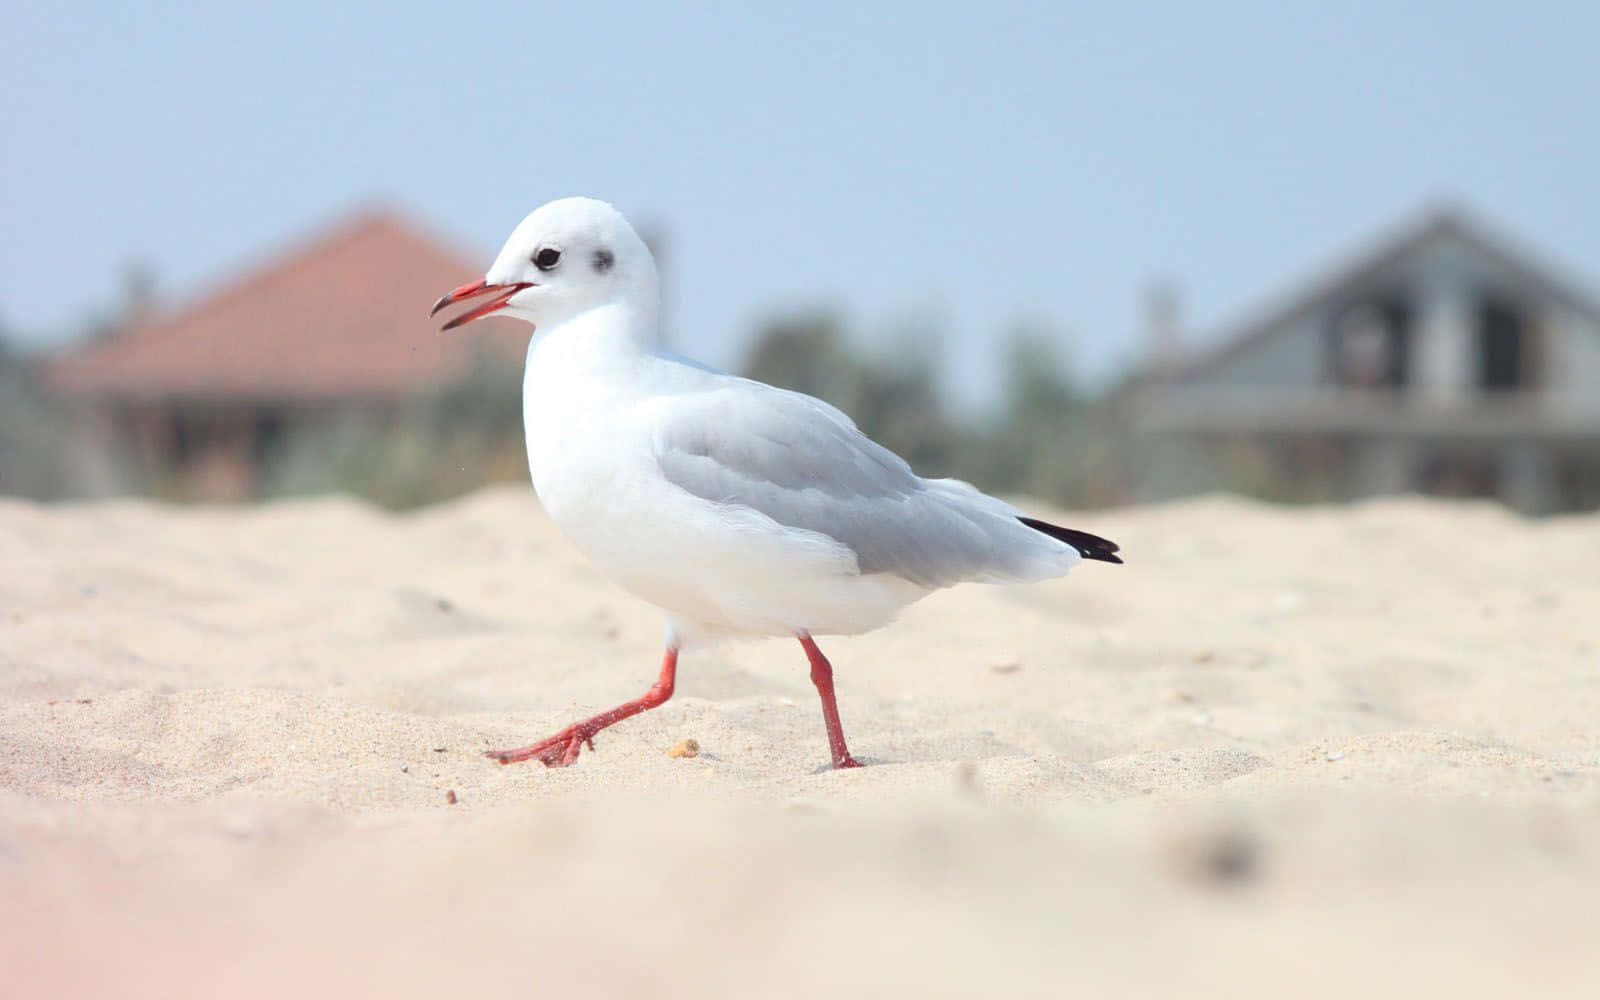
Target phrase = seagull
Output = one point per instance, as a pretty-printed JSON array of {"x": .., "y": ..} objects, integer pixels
[{"x": 737, "y": 508}]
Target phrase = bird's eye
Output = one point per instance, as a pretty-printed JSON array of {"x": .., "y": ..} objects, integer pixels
[{"x": 547, "y": 258}]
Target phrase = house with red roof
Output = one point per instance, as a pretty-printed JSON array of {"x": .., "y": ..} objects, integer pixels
[{"x": 196, "y": 398}]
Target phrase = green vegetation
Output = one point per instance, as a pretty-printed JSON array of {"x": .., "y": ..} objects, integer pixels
[
  {"x": 35, "y": 450},
  {"x": 436, "y": 447},
  {"x": 1050, "y": 439}
]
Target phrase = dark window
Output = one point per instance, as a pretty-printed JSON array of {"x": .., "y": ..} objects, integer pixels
[
  {"x": 1501, "y": 351},
  {"x": 266, "y": 432}
]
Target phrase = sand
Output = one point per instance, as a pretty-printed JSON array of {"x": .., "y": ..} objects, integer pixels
[{"x": 1325, "y": 752}]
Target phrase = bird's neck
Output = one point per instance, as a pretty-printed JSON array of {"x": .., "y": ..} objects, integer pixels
[{"x": 596, "y": 338}]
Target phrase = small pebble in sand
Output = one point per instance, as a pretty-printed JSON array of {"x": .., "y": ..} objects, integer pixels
[
  {"x": 450, "y": 797},
  {"x": 1335, "y": 755},
  {"x": 1010, "y": 667},
  {"x": 684, "y": 748}
]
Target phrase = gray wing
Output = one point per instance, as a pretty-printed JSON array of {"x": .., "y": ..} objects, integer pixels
[{"x": 804, "y": 465}]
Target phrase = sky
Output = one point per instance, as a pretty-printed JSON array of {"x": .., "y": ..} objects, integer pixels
[{"x": 960, "y": 170}]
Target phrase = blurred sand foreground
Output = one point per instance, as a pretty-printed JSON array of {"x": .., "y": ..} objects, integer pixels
[{"x": 1280, "y": 753}]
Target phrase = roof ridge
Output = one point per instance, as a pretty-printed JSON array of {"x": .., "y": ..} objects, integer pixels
[
  {"x": 364, "y": 219},
  {"x": 319, "y": 309},
  {"x": 1439, "y": 215}
]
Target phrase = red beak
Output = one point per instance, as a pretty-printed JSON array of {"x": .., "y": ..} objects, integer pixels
[{"x": 472, "y": 291}]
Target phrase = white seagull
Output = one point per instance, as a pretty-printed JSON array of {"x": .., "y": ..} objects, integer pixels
[{"x": 737, "y": 508}]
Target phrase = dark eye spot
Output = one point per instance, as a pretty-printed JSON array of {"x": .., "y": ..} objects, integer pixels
[
  {"x": 603, "y": 260},
  {"x": 547, "y": 258}
]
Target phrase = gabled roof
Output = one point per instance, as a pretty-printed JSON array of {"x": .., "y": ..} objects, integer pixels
[
  {"x": 1440, "y": 221},
  {"x": 344, "y": 314}
]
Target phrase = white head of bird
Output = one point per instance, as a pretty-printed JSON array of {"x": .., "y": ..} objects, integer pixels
[{"x": 566, "y": 258}]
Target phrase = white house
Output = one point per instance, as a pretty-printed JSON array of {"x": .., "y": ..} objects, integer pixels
[{"x": 1443, "y": 359}]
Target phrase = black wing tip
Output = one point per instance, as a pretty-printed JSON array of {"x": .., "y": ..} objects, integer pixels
[{"x": 1088, "y": 546}]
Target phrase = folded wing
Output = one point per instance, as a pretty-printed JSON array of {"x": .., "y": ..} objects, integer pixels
[{"x": 803, "y": 464}]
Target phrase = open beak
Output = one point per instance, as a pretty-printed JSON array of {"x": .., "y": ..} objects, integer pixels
[{"x": 472, "y": 291}]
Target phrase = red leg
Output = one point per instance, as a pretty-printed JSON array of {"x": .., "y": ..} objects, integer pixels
[
  {"x": 822, "y": 677},
  {"x": 563, "y": 748}
]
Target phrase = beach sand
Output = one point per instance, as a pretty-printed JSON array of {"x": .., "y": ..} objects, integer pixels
[{"x": 1282, "y": 752}]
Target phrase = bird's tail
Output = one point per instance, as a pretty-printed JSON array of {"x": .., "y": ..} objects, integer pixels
[{"x": 1088, "y": 546}]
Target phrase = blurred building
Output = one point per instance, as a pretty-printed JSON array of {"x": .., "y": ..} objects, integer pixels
[
  {"x": 1443, "y": 359},
  {"x": 194, "y": 399}
]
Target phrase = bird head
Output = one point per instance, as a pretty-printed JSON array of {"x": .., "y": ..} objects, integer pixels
[{"x": 565, "y": 258}]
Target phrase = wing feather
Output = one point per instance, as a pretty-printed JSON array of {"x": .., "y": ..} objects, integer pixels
[{"x": 804, "y": 465}]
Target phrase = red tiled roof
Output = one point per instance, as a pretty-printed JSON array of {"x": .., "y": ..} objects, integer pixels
[{"x": 344, "y": 315}]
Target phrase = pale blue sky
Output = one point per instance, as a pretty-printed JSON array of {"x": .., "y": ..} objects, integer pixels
[{"x": 988, "y": 162}]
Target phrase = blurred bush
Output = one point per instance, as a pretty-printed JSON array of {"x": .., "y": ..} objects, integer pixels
[
  {"x": 1048, "y": 438},
  {"x": 894, "y": 398},
  {"x": 435, "y": 447},
  {"x": 34, "y": 434}
]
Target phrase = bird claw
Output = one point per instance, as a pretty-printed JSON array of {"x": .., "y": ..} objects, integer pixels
[{"x": 560, "y": 750}]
